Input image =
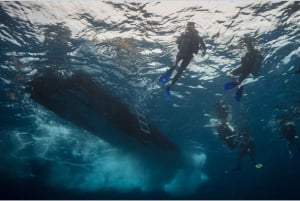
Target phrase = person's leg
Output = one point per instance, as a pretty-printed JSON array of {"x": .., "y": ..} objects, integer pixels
[
  {"x": 252, "y": 158},
  {"x": 176, "y": 77},
  {"x": 235, "y": 72},
  {"x": 178, "y": 59},
  {"x": 238, "y": 165},
  {"x": 185, "y": 62},
  {"x": 290, "y": 150},
  {"x": 243, "y": 76},
  {"x": 166, "y": 75}
]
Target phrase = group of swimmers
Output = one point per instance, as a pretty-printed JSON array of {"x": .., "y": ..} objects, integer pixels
[{"x": 189, "y": 43}]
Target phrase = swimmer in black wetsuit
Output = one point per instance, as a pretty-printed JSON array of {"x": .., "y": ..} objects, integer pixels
[
  {"x": 250, "y": 64},
  {"x": 222, "y": 110},
  {"x": 288, "y": 131},
  {"x": 189, "y": 44},
  {"x": 227, "y": 134},
  {"x": 246, "y": 147}
]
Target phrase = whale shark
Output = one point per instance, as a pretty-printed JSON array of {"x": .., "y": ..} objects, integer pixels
[{"x": 85, "y": 102}]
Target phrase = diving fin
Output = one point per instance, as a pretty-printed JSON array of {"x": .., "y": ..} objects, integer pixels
[
  {"x": 164, "y": 78},
  {"x": 259, "y": 165},
  {"x": 239, "y": 93},
  {"x": 167, "y": 92},
  {"x": 230, "y": 85}
]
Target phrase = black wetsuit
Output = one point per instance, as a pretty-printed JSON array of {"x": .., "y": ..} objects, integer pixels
[
  {"x": 246, "y": 147},
  {"x": 188, "y": 44},
  {"x": 227, "y": 135},
  {"x": 249, "y": 62},
  {"x": 288, "y": 131},
  {"x": 222, "y": 110}
]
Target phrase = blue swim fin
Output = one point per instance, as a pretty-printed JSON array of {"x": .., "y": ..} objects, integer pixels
[
  {"x": 230, "y": 85},
  {"x": 239, "y": 93},
  {"x": 167, "y": 93},
  {"x": 164, "y": 78}
]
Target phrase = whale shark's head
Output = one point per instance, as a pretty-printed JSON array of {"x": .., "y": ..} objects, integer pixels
[{"x": 45, "y": 83}]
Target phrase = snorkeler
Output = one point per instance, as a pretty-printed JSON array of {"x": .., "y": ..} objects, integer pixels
[
  {"x": 222, "y": 110},
  {"x": 227, "y": 134},
  {"x": 250, "y": 64},
  {"x": 189, "y": 44},
  {"x": 246, "y": 147},
  {"x": 288, "y": 131}
]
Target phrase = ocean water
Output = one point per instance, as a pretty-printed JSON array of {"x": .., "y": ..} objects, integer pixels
[{"x": 126, "y": 46}]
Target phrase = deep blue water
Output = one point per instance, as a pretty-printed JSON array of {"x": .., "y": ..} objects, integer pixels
[{"x": 126, "y": 46}]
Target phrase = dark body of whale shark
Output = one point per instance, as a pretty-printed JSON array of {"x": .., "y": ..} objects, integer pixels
[{"x": 84, "y": 102}]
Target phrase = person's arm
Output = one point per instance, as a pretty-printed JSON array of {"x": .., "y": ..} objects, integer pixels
[
  {"x": 202, "y": 46},
  {"x": 178, "y": 41}
]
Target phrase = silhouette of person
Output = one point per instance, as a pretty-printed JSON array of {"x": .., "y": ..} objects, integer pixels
[
  {"x": 250, "y": 64},
  {"x": 189, "y": 44}
]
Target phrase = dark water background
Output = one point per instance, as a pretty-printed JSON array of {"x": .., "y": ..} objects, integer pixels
[{"x": 126, "y": 46}]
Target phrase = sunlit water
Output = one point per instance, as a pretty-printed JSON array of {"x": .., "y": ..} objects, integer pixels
[{"x": 126, "y": 46}]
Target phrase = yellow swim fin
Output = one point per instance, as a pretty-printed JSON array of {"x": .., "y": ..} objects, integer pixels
[{"x": 259, "y": 165}]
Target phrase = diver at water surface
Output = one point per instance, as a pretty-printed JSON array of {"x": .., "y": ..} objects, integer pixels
[
  {"x": 189, "y": 44},
  {"x": 250, "y": 64}
]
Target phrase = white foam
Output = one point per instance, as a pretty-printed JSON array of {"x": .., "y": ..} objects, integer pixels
[
  {"x": 189, "y": 178},
  {"x": 83, "y": 161}
]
